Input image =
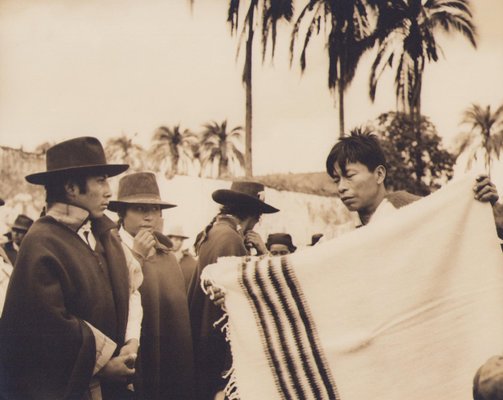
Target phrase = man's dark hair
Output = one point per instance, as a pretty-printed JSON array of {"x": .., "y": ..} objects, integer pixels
[
  {"x": 55, "y": 191},
  {"x": 361, "y": 147}
]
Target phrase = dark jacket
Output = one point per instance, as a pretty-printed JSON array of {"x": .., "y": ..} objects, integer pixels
[
  {"x": 47, "y": 350},
  {"x": 188, "y": 265},
  {"x": 211, "y": 351},
  {"x": 10, "y": 251},
  {"x": 166, "y": 358}
]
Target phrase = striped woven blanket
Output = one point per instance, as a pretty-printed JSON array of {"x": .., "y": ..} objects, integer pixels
[{"x": 406, "y": 308}]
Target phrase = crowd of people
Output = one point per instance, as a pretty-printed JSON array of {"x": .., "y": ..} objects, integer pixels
[{"x": 101, "y": 308}]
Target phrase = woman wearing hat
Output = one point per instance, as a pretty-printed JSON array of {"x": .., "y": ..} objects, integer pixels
[
  {"x": 280, "y": 244},
  {"x": 229, "y": 234},
  {"x": 166, "y": 358},
  {"x": 66, "y": 311},
  {"x": 184, "y": 258}
]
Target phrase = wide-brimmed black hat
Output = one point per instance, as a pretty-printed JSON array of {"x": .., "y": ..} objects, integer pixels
[
  {"x": 280, "y": 238},
  {"x": 82, "y": 155},
  {"x": 138, "y": 188},
  {"x": 22, "y": 223},
  {"x": 246, "y": 195}
]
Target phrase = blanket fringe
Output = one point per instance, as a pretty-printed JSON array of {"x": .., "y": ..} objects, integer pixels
[{"x": 231, "y": 389}]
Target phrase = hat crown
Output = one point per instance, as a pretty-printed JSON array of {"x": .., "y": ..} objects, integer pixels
[
  {"x": 253, "y": 189},
  {"x": 139, "y": 185},
  {"x": 279, "y": 238},
  {"x": 22, "y": 222},
  {"x": 79, "y": 152},
  {"x": 176, "y": 230}
]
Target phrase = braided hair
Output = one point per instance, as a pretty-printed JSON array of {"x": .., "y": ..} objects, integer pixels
[{"x": 237, "y": 211}]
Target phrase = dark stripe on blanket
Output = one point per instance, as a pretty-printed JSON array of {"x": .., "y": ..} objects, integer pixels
[
  {"x": 258, "y": 311},
  {"x": 285, "y": 296},
  {"x": 274, "y": 312},
  {"x": 312, "y": 335}
]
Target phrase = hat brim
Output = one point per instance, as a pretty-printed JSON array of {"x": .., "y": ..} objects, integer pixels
[
  {"x": 178, "y": 236},
  {"x": 115, "y": 205},
  {"x": 42, "y": 178},
  {"x": 230, "y": 197}
]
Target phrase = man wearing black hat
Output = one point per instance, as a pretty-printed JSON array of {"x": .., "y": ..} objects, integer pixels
[
  {"x": 280, "y": 244},
  {"x": 166, "y": 358},
  {"x": 66, "y": 311},
  {"x": 16, "y": 235},
  {"x": 229, "y": 234}
]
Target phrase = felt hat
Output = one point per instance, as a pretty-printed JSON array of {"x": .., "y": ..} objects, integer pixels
[
  {"x": 246, "y": 195},
  {"x": 138, "y": 188},
  {"x": 280, "y": 238},
  {"x": 82, "y": 155},
  {"x": 177, "y": 231},
  {"x": 22, "y": 223}
]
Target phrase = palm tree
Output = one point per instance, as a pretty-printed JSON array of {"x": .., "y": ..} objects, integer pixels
[
  {"x": 349, "y": 37},
  {"x": 173, "y": 149},
  {"x": 486, "y": 133},
  {"x": 121, "y": 149},
  {"x": 218, "y": 147},
  {"x": 405, "y": 31},
  {"x": 406, "y": 36},
  {"x": 272, "y": 12}
]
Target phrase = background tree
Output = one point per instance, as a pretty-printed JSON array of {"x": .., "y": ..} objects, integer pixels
[
  {"x": 121, "y": 149},
  {"x": 348, "y": 38},
  {"x": 406, "y": 31},
  {"x": 396, "y": 133},
  {"x": 172, "y": 150},
  {"x": 272, "y": 12},
  {"x": 485, "y": 134},
  {"x": 219, "y": 147}
]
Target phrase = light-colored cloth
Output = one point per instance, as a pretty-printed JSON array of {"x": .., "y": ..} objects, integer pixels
[{"x": 407, "y": 307}]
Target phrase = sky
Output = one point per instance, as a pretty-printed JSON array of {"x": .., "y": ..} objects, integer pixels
[{"x": 106, "y": 68}]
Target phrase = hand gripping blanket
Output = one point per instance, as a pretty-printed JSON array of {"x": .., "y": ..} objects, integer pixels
[{"x": 405, "y": 308}]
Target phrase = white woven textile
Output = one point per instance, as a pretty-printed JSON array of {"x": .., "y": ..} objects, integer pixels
[{"x": 405, "y": 308}]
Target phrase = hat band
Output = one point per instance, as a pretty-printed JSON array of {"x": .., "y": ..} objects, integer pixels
[{"x": 141, "y": 199}]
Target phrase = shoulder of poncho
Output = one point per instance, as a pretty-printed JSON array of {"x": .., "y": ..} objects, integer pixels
[{"x": 401, "y": 198}]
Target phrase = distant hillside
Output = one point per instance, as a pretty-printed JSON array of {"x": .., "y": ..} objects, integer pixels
[{"x": 317, "y": 183}]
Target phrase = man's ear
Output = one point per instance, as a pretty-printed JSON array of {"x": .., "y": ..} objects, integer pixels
[
  {"x": 380, "y": 173},
  {"x": 71, "y": 189}
]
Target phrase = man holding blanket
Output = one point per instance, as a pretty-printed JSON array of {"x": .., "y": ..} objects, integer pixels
[{"x": 358, "y": 167}]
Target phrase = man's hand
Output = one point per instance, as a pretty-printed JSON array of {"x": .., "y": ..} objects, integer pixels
[
  {"x": 253, "y": 240},
  {"x": 484, "y": 190},
  {"x": 143, "y": 243},
  {"x": 215, "y": 294},
  {"x": 118, "y": 369},
  {"x": 130, "y": 348}
]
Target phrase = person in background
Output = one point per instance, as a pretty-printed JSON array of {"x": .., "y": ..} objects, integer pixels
[
  {"x": 184, "y": 258},
  {"x": 64, "y": 330},
  {"x": 315, "y": 238},
  {"x": 166, "y": 358},
  {"x": 5, "y": 272},
  {"x": 280, "y": 244},
  {"x": 16, "y": 235},
  {"x": 230, "y": 233}
]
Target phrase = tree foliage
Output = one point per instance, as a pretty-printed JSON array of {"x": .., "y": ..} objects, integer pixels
[
  {"x": 218, "y": 147},
  {"x": 396, "y": 131},
  {"x": 485, "y": 134}
]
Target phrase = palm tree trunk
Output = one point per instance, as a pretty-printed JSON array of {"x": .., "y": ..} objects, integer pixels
[
  {"x": 416, "y": 120},
  {"x": 341, "y": 110},
  {"x": 247, "y": 77}
]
